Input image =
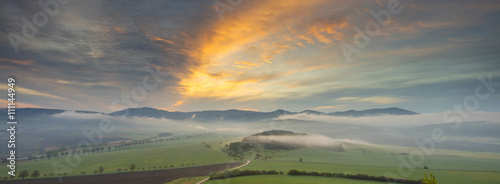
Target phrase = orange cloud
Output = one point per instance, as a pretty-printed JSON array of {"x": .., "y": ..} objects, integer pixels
[
  {"x": 120, "y": 30},
  {"x": 33, "y": 92},
  {"x": 180, "y": 102},
  {"x": 19, "y": 104},
  {"x": 154, "y": 38},
  {"x": 20, "y": 62},
  {"x": 246, "y": 63},
  {"x": 250, "y": 48}
]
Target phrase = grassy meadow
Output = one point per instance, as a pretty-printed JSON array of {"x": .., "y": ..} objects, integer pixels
[{"x": 176, "y": 153}]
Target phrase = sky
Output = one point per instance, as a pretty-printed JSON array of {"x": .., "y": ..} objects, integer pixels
[{"x": 249, "y": 54}]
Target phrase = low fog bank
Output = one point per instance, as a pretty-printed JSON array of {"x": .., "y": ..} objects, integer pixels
[
  {"x": 478, "y": 132},
  {"x": 401, "y": 120},
  {"x": 480, "y": 135},
  {"x": 316, "y": 141}
]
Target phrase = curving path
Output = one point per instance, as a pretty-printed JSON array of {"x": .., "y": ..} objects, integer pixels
[{"x": 248, "y": 161}]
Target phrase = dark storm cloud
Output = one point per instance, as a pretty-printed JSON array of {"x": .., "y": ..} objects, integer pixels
[{"x": 104, "y": 45}]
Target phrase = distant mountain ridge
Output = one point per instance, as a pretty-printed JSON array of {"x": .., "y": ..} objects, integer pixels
[{"x": 215, "y": 115}]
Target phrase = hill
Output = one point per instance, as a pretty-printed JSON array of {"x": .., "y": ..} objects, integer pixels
[
  {"x": 282, "y": 140},
  {"x": 247, "y": 116},
  {"x": 231, "y": 115}
]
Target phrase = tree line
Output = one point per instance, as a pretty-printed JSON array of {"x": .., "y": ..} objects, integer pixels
[
  {"x": 354, "y": 176},
  {"x": 235, "y": 173}
]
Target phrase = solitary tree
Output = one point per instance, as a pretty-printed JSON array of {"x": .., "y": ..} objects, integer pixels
[
  {"x": 429, "y": 180},
  {"x": 101, "y": 169},
  {"x": 35, "y": 174},
  {"x": 24, "y": 174},
  {"x": 300, "y": 160},
  {"x": 132, "y": 167}
]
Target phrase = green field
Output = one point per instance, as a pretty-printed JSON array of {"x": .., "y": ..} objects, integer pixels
[
  {"x": 287, "y": 180},
  {"x": 184, "y": 151},
  {"x": 383, "y": 159},
  {"x": 469, "y": 167},
  {"x": 444, "y": 176},
  {"x": 449, "y": 166}
]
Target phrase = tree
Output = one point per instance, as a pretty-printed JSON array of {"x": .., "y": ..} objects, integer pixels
[
  {"x": 24, "y": 174},
  {"x": 171, "y": 166},
  {"x": 83, "y": 172},
  {"x": 101, "y": 169},
  {"x": 51, "y": 174},
  {"x": 45, "y": 175},
  {"x": 429, "y": 180},
  {"x": 95, "y": 171},
  {"x": 132, "y": 167},
  {"x": 65, "y": 173},
  {"x": 35, "y": 174},
  {"x": 300, "y": 160},
  {"x": 425, "y": 167},
  {"x": 119, "y": 169}
]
